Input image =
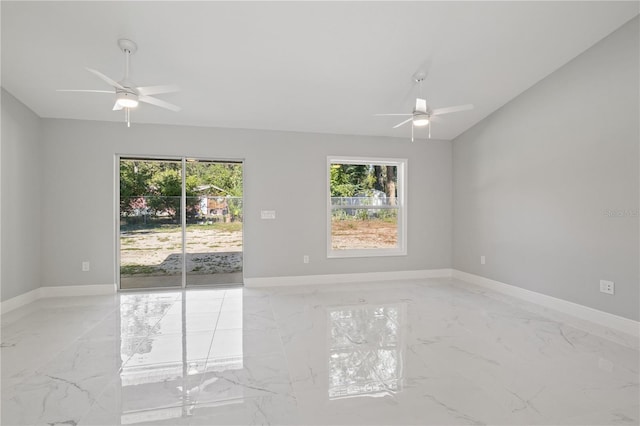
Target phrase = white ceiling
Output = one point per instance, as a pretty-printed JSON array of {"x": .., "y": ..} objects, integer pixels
[{"x": 301, "y": 66}]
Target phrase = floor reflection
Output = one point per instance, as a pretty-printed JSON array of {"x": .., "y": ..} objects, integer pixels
[
  {"x": 430, "y": 352},
  {"x": 365, "y": 345},
  {"x": 168, "y": 344}
]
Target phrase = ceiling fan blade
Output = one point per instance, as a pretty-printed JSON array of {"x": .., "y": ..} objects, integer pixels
[
  {"x": 105, "y": 78},
  {"x": 403, "y": 123},
  {"x": 156, "y": 90},
  {"x": 158, "y": 102},
  {"x": 421, "y": 105},
  {"x": 86, "y": 91},
  {"x": 117, "y": 107},
  {"x": 449, "y": 110},
  {"x": 384, "y": 115}
]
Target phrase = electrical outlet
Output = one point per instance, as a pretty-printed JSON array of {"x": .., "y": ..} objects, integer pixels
[
  {"x": 482, "y": 260},
  {"x": 86, "y": 266},
  {"x": 607, "y": 287},
  {"x": 305, "y": 259}
]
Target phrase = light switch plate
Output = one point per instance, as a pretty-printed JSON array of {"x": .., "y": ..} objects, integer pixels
[{"x": 267, "y": 214}]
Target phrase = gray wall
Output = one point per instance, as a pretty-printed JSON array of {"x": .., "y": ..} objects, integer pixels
[
  {"x": 284, "y": 171},
  {"x": 533, "y": 183},
  {"x": 21, "y": 198}
]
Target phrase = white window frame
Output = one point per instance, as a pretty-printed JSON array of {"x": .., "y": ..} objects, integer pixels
[{"x": 401, "y": 189}]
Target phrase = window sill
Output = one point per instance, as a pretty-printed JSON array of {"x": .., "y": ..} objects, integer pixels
[{"x": 339, "y": 254}]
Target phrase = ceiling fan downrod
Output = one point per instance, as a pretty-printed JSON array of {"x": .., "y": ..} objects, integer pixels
[{"x": 128, "y": 47}]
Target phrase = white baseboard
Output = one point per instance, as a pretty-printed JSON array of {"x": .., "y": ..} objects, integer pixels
[
  {"x": 345, "y": 278},
  {"x": 56, "y": 291},
  {"x": 605, "y": 319},
  {"x": 78, "y": 290},
  {"x": 18, "y": 301}
]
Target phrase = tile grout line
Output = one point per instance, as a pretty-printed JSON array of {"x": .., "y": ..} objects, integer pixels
[{"x": 206, "y": 363}]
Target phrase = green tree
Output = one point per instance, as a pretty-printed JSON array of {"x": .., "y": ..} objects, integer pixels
[
  {"x": 349, "y": 179},
  {"x": 135, "y": 179},
  {"x": 224, "y": 178},
  {"x": 166, "y": 189}
]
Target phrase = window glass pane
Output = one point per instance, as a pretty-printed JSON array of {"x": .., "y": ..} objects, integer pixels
[
  {"x": 364, "y": 205},
  {"x": 213, "y": 243},
  {"x": 150, "y": 223}
]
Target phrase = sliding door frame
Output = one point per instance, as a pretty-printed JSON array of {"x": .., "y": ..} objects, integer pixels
[{"x": 183, "y": 210}]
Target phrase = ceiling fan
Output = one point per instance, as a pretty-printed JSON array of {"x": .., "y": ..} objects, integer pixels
[
  {"x": 127, "y": 94},
  {"x": 422, "y": 114}
]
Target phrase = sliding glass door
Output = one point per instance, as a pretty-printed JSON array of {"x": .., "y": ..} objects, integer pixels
[
  {"x": 213, "y": 243},
  {"x": 180, "y": 222},
  {"x": 150, "y": 223}
]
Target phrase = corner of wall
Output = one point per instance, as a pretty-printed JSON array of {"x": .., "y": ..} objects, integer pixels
[{"x": 21, "y": 178}]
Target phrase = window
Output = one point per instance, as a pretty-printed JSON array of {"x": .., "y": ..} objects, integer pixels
[{"x": 366, "y": 207}]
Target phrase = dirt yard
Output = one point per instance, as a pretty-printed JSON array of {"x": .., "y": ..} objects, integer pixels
[
  {"x": 158, "y": 252},
  {"x": 155, "y": 252},
  {"x": 363, "y": 234}
]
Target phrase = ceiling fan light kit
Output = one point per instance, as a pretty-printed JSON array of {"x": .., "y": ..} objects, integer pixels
[
  {"x": 126, "y": 99},
  {"x": 420, "y": 120},
  {"x": 128, "y": 96}
]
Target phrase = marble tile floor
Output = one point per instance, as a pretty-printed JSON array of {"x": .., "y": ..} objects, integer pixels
[{"x": 429, "y": 352}]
